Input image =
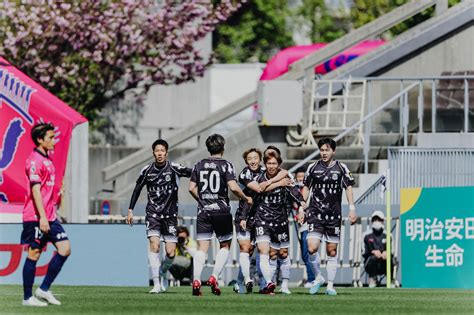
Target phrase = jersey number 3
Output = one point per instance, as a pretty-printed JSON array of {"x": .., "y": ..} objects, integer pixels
[{"x": 210, "y": 179}]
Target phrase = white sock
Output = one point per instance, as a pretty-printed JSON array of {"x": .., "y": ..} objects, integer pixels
[
  {"x": 244, "y": 261},
  {"x": 221, "y": 259},
  {"x": 167, "y": 263},
  {"x": 285, "y": 266},
  {"x": 265, "y": 268},
  {"x": 273, "y": 268},
  {"x": 198, "y": 263},
  {"x": 314, "y": 263},
  {"x": 154, "y": 262},
  {"x": 331, "y": 269},
  {"x": 284, "y": 283}
]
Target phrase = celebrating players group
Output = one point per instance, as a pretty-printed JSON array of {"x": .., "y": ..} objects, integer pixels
[{"x": 261, "y": 219}]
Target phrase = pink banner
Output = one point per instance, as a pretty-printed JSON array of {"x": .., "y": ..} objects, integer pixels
[
  {"x": 280, "y": 63},
  {"x": 24, "y": 103}
]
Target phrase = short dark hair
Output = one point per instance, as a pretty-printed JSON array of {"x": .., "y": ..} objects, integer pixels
[
  {"x": 270, "y": 155},
  {"x": 39, "y": 131},
  {"x": 215, "y": 144},
  {"x": 160, "y": 142},
  {"x": 272, "y": 147},
  {"x": 301, "y": 169},
  {"x": 181, "y": 229},
  {"x": 248, "y": 151},
  {"x": 327, "y": 141}
]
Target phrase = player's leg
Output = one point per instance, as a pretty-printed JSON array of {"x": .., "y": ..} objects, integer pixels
[
  {"x": 331, "y": 266},
  {"x": 170, "y": 236},
  {"x": 204, "y": 235},
  {"x": 32, "y": 236},
  {"x": 222, "y": 226},
  {"x": 154, "y": 261},
  {"x": 315, "y": 234},
  {"x": 283, "y": 233},
  {"x": 244, "y": 256},
  {"x": 285, "y": 266},
  {"x": 60, "y": 240}
]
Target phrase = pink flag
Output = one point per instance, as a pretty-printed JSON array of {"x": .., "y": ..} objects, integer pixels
[{"x": 23, "y": 103}]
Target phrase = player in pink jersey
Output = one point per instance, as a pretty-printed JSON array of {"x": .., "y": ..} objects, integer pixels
[{"x": 40, "y": 224}]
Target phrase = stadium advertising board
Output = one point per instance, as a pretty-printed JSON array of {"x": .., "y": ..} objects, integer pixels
[
  {"x": 101, "y": 254},
  {"x": 437, "y": 235}
]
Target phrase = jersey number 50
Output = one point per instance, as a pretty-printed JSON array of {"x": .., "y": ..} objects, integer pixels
[{"x": 210, "y": 179}]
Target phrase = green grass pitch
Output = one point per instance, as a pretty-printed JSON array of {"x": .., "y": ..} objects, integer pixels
[{"x": 178, "y": 300}]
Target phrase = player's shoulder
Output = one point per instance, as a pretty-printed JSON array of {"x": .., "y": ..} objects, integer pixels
[
  {"x": 175, "y": 165},
  {"x": 342, "y": 166},
  {"x": 145, "y": 168},
  {"x": 311, "y": 166}
]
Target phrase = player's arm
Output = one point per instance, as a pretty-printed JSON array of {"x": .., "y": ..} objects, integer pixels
[
  {"x": 38, "y": 201},
  {"x": 136, "y": 194},
  {"x": 193, "y": 190},
  {"x": 350, "y": 200},
  {"x": 181, "y": 170},
  {"x": 235, "y": 188},
  {"x": 281, "y": 179}
]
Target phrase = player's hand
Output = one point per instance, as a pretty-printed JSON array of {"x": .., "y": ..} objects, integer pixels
[
  {"x": 300, "y": 215},
  {"x": 44, "y": 225},
  {"x": 352, "y": 214},
  {"x": 129, "y": 218},
  {"x": 264, "y": 185},
  {"x": 249, "y": 201},
  {"x": 384, "y": 255},
  {"x": 243, "y": 224},
  {"x": 377, "y": 253}
]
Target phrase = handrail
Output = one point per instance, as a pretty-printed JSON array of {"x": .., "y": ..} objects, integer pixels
[
  {"x": 297, "y": 71},
  {"x": 354, "y": 126},
  {"x": 370, "y": 190}
]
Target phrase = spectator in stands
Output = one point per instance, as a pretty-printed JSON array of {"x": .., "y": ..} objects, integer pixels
[
  {"x": 375, "y": 253},
  {"x": 182, "y": 268},
  {"x": 303, "y": 232}
]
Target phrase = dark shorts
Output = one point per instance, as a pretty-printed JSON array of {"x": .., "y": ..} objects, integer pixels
[
  {"x": 211, "y": 221},
  {"x": 277, "y": 234},
  {"x": 162, "y": 226},
  {"x": 324, "y": 227},
  {"x": 33, "y": 236}
]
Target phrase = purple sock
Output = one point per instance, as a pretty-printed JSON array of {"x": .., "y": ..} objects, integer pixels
[
  {"x": 29, "y": 270},
  {"x": 54, "y": 268}
]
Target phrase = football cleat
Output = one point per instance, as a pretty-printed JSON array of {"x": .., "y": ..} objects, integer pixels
[
  {"x": 156, "y": 289},
  {"x": 317, "y": 283},
  {"x": 212, "y": 282},
  {"x": 47, "y": 295},
  {"x": 197, "y": 288},
  {"x": 249, "y": 287},
  {"x": 33, "y": 301},
  {"x": 269, "y": 289},
  {"x": 331, "y": 291},
  {"x": 285, "y": 291}
]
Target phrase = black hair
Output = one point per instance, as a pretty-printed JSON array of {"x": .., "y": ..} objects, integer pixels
[
  {"x": 160, "y": 142},
  {"x": 301, "y": 169},
  {"x": 327, "y": 141},
  {"x": 272, "y": 154},
  {"x": 39, "y": 131},
  {"x": 215, "y": 144},
  {"x": 181, "y": 229},
  {"x": 272, "y": 147}
]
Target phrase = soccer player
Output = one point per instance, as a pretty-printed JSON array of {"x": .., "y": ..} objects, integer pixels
[
  {"x": 210, "y": 180},
  {"x": 40, "y": 224},
  {"x": 244, "y": 215},
  {"x": 326, "y": 179},
  {"x": 162, "y": 180},
  {"x": 271, "y": 224}
]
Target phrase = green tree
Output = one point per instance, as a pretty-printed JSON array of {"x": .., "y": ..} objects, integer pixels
[
  {"x": 319, "y": 22},
  {"x": 254, "y": 33},
  {"x": 365, "y": 11}
]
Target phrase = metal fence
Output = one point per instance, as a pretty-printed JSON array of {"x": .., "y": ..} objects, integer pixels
[{"x": 429, "y": 167}]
